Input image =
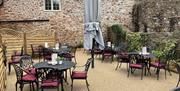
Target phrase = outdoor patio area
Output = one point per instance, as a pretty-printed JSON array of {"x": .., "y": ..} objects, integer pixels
[{"x": 104, "y": 77}]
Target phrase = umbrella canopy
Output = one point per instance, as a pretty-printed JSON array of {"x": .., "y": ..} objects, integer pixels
[{"x": 92, "y": 25}]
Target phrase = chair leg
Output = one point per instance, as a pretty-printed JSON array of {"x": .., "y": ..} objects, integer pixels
[
  {"x": 57, "y": 88},
  {"x": 37, "y": 86},
  {"x": 70, "y": 71},
  {"x": 21, "y": 87},
  {"x": 66, "y": 77},
  {"x": 62, "y": 86},
  {"x": 158, "y": 70},
  {"x": 102, "y": 58},
  {"x": 178, "y": 82},
  {"x": 142, "y": 74},
  {"x": 120, "y": 64},
  {"x": 9, "y": 65},
  {"x": 72, "y": 85},
  {"x": 16, "y": 86},
  {"x": 127, "y": 66},
  {"x": 87, "y": 84},
  {"x": 75, "y": 60},
  {"x": 30, "y": 87},
  {"x": 33, "y": 86},
  {"x": 112, "y": 57},
  {"x": 129, "y": 71},
  {"x": 165, "y": 74},
  {"x": 117, "y": 65}
]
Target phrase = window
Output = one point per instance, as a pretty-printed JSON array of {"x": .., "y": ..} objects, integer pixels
[{"x": 52, "y": 5}]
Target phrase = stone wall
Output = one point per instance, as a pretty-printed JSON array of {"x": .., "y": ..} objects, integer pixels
[
  {"x": 156, "y": 15},
  {"x": 68, "y": 23}
]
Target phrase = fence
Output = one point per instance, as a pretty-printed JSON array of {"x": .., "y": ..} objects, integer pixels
[
  {"x": 2, "y": 71},
  {"x": 26, "y": 39}
]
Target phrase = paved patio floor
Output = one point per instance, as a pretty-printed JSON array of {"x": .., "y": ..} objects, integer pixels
[{"x": 104, "y": 77}]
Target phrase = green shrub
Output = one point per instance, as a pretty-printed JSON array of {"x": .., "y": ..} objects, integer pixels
[
  {"x": 120, "y": 34},
  {"x": 145, "y": 39},
  {"x": 165, "y": 49},
  {"x": 134, "y": 42}
]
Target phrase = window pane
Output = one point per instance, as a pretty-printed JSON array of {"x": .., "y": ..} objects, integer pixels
[
  {"x": 47, "y": 4},
  {"x": 56, "y": 4}
]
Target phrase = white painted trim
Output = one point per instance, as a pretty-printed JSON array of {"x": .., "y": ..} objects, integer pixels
[{"x": 52, "y": 6}]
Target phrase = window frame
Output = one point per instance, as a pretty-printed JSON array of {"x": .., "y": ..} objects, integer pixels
[{"x": 44, "y": 6}]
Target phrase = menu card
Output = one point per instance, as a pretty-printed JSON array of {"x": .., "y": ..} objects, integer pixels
[
  {"x": 57, "y": 46},
  {"x": 54, "y": 56},
  {"x": 144, "y": 50},
  {"x": 46, "y": 45},
  {"x": 109, "y": 44}
]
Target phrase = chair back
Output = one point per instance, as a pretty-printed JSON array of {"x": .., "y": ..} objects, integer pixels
[
  {"x": 18, "y": 71},
  {"x": 47, "y": 52},
  {"x": 136, "y": 59},
  {"x": 32, "y": 49},
  {"x": 107, "y": 50},
  {"x": 122, "y": 54},
  {"x": 26, "y": 62},
  {"x": 178, "y": 68},
  {"x": 48, "y": 73},
  {"x": 22, "y": 50},
  {"x": 16, "y": 53},
  {"x": 88, "y": 63}
]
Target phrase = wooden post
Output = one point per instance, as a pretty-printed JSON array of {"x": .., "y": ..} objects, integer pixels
[
  {"x": 25, "y": 43},
  {"x": 0, "y": 39}
]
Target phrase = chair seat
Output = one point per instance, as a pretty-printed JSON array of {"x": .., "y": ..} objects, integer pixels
[
  {"x": 50, "y": 83},
  {"x": 79, "y": 74},
  {"x": 107, "y": 54},
  {"x": 122, "y": 57},
  {"x": 157, "y": 64},
  {"x": 136, "y": 66},
  {"x": 29, "y": 77},
  {"x": 18, "y": 54},
  {"x": 15, "y": 61}
]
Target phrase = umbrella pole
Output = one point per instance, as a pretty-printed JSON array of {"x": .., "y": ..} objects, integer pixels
[{"x": 92, "y": 53}]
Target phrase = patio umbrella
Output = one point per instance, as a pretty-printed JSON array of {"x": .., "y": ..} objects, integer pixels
[{"x": 92, "y": 31}]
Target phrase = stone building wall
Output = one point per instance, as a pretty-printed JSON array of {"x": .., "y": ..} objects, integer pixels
[{"x": 68, "y": 23}]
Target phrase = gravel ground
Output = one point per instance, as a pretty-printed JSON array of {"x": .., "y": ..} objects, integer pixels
[{"x": 104, "y": 77}]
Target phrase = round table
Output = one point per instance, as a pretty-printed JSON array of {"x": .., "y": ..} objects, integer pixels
[
  {"x": 60, "y": 67},
  {"x": 65, "y": 65}
]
